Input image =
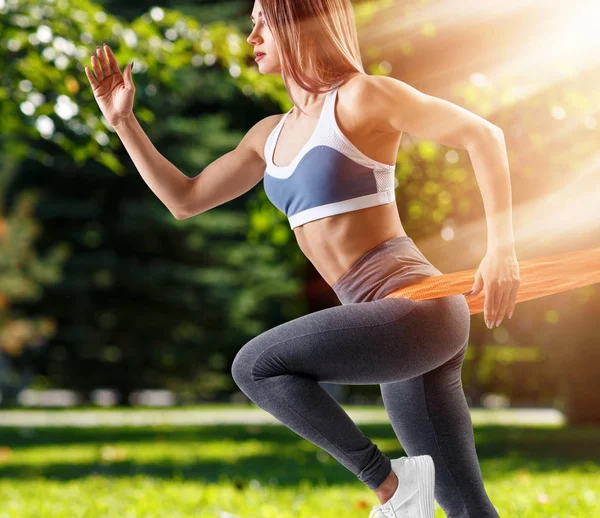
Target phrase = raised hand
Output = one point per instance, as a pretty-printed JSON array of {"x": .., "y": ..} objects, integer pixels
[{"x": 114, "y": 92}]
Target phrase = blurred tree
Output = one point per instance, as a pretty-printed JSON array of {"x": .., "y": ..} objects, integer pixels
[
  {"x": 209, "y": 11},
  {"x": 23, "y": 273},
  {"x": 145, "y": 301}
]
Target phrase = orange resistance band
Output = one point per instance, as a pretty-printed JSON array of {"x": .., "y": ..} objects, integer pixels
[{"x": 539, "y": 277}]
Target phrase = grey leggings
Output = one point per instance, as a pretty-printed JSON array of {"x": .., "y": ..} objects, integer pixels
[{"x": 413, "y": 349}]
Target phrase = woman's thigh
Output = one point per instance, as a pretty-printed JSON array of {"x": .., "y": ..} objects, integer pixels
[{"x": 372, "y": 342}]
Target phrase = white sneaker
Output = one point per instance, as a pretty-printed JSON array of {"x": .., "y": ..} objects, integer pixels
[{"x": 414, "y": 496}]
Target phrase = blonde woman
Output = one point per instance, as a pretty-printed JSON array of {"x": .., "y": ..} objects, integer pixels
[{"x": 328, "y": 164}]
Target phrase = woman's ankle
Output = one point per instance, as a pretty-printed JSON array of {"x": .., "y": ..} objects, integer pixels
[{"x": 387, "y": 488}]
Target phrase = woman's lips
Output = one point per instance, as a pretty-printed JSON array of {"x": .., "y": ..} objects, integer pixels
[{"x": 259, "y": 57}]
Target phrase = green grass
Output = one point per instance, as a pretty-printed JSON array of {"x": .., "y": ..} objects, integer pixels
[{"x": 253, "y": 471}]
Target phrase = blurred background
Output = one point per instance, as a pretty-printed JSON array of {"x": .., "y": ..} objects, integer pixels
[{"x": 118, "y": 323}]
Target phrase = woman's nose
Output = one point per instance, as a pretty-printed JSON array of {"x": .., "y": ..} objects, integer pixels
[{"x": 251, "y": 38}]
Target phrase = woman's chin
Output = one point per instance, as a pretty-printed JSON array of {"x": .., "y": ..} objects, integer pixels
[{"x": 265, "y": 68}]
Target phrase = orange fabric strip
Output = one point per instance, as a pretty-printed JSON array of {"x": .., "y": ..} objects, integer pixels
[{"x": 539, "y": 277}]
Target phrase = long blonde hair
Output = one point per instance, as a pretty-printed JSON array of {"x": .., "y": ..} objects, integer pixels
[{"x": 316, "y": 40}]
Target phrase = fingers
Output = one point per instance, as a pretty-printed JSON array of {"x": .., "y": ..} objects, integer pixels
[
  {"x": 103, "y": 62},
  {"x": 502, "y": 305},
  {"x": 104, "y": 65},
  {"x": 489, "y": 304},
  {"x": 499, "y": 275},
  {"x": 97, "y": 69},
  {"x": 512, "y": 302},
  {"x": 111, "y": 59},
  {"x": 91, "y": 78},
  {"x": 500, "y": 300}
]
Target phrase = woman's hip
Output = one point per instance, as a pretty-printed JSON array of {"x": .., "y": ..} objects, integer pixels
[{"x": 391, "y": 265}]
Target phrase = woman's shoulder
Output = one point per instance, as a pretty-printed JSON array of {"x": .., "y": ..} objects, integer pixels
[
  {"x": 363, "y": 85},
  {"x": 266, "y": 125},
  {"x": 356, "y": 109},
  {"x": 259, "y": 133}
]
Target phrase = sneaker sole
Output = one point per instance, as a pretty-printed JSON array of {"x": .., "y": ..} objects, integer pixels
[{"x": 426, "y": 482}]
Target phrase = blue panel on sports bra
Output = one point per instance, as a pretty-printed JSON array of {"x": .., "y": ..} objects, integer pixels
[{"x": 324, "y": 175}]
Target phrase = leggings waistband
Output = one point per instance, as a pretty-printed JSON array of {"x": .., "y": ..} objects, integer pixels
[{"x": 392, "y": 264}]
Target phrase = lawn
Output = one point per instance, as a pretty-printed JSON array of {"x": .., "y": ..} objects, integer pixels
[{"x": 266, "y": 471}]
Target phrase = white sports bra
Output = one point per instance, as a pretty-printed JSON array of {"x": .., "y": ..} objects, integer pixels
[{"x": 328, "y": 176}]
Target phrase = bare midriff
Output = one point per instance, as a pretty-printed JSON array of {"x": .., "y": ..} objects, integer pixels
[{"x": 333, "y": 244}]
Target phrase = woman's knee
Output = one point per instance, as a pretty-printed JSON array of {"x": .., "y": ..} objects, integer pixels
[
  {"x": 241, "y": 368},
  {"x": 250, "y": 364}
]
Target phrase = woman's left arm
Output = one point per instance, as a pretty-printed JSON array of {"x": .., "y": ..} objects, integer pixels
[
  {"x": 498, "y": 274},
  {"x": 394, "y": 106}
]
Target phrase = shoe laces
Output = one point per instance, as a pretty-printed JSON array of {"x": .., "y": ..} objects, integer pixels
[{"x": 383, "y": 510}]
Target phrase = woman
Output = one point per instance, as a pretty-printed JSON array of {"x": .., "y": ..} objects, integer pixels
[{"x": 328, "y": 164}]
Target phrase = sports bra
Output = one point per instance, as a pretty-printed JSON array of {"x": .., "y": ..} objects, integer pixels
[{"x": 328, "y": 176}]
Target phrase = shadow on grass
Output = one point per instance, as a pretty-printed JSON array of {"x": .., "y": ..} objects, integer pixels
[{"x": 286, "y": 458}]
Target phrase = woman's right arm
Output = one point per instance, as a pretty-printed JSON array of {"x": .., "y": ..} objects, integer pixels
[
  {"x": 231, "y": 175},
  {"x": 114, "y": 91},
  {"x": 164, "y": 179},
  {"x": 226, "y": 178}
]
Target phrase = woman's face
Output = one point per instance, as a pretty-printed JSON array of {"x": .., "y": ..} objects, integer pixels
[{"x": 262, "y": 41}]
